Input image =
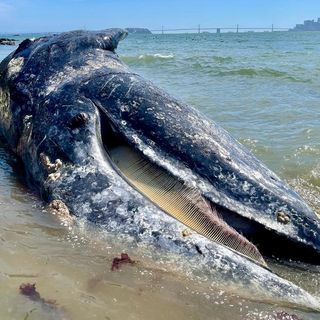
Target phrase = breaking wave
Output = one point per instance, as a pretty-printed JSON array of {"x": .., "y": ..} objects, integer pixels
[
  {"x": 212, "y": 65},
  {"x": 147, "y": 58}
]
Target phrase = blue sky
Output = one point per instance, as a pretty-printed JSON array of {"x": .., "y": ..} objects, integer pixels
[{"x": 57, "y": 15}]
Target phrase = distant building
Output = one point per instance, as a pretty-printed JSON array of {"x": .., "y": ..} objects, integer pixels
[{"x": 308, "y": 25}]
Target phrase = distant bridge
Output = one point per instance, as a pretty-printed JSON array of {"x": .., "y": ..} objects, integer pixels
[{"x": 237, "y": 28}]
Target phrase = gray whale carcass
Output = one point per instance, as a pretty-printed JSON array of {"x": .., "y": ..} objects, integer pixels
[{"x": 115, "y": 149}]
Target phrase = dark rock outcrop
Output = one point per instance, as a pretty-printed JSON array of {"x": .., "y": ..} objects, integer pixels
[
  {"x": 138, "y": 30},
  {"x": 8, "y": 42}
]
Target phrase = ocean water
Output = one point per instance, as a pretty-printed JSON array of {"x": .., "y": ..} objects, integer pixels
[{"x": 261, "y": 87}]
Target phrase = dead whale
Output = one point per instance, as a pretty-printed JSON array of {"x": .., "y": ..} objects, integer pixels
[{"x": 115, "y": 149}]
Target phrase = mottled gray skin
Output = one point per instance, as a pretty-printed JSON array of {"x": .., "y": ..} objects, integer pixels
[{"x": 57, "y": 95}]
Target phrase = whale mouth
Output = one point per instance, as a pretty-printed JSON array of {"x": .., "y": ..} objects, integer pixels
[
  {"x": 176, "y": 199},
  {"x": 172, "y": 195},
  {"x": 226, "y": 225}
]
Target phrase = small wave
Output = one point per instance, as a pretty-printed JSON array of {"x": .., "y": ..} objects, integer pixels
[
  {"x": 217, "y": 71},
  {"x": 308, "y": 187},
  {"x": 207, "y": 60},
  {"x": 221, "y": 59},
  {"x": 250, "y": 72},
  {"x": 147, "y": 58},
  {"x": 262, "y": 72},
  {"x": 307, "y": 150}
]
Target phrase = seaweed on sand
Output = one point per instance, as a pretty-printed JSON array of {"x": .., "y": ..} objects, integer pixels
[
  {"x": 124, "y": 259},
  {"x": 29, "y": 290}
]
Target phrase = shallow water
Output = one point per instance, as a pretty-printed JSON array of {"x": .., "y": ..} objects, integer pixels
[{"x": 264, "y": 89}]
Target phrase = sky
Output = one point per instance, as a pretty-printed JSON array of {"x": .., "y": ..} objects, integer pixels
[{"x": 17, "y": 16}]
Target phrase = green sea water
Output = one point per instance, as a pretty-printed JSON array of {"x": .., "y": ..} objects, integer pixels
[{"x": 264, "y": 88}]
